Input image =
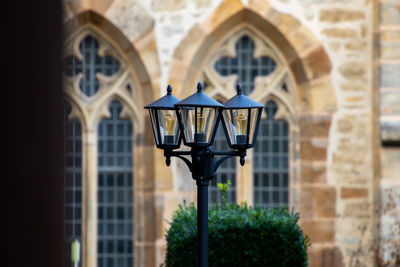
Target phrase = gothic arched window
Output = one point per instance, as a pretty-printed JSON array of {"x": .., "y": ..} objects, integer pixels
[
  {"x": 96, "y": 73},
  {"x": 115, "y": 190},
  {"x": 271, "y": 161},
  {"x": 72, "y": 182}
]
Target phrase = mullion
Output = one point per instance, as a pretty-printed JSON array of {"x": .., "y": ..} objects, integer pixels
[
  {"x": 103, "y": 64},
  {"x": 250, "y": 61},
  {"x": 91, "y": 53},
  {"x": 281, "y": 188}
]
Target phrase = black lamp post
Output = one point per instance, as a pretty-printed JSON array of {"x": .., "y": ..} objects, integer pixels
[{"x": 198, "y": 116}]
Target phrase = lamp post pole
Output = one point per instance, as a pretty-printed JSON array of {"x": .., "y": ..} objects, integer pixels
[
  {"x": 202, "y": 222},
  {"x": 203, "y": 168},
  {"x": 201, "y": 172},
  {"x": 198, "y": 116}
]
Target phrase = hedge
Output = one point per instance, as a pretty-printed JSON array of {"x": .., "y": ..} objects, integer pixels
[{"x": 239, "y": 235}]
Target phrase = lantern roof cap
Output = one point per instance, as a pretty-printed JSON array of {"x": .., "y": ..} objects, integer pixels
[
  {"x": 199, "y": 99},
  {"x": 241, "y": 101},
  {"x": 166, "y": 101}
]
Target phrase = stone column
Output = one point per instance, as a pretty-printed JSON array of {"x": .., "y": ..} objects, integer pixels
[
  {"x": 244, "y": 179},
  {"x": 89, "y": 199}
]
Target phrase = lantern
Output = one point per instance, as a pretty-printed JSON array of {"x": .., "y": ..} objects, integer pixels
[
  {"x": 241, "y": 118},
  {"x": 198, "y": 117},
  {"x": 164, "y": 121}
]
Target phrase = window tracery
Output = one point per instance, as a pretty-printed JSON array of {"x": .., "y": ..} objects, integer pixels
[
  {"x": 90, "y": 64},
  {"x": 95, "y": 73},
  {"x": 244, "y": 65}
]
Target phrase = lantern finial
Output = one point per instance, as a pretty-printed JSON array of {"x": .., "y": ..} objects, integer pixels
[
  {"x": 239, "y": 88},
  {"x": 169, "y": 89},
  {"x": 199, "y": 87}
]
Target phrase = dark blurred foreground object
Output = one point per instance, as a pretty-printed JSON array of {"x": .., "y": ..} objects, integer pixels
[
  {"x": 238, "y": 236},
  {"x": 32, "y": 133}
]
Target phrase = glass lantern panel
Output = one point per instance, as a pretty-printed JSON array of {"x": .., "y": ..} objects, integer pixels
[
  {"x": 237, "y": 120},
  {"x": 198, "y": 123},
  {"x": 154, "y": 123},
  {"x": 207, "y": 125},
  {"x": 253, "y": 124},
  {"x": 169, "y": 127},
  {"x": 187, "y": 115},
  {"x": 227, "y": 117}
]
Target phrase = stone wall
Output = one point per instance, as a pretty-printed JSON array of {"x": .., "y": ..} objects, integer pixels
[{"x": 336, "y": 70}]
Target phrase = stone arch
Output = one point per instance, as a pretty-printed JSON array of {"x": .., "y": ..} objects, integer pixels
[
  {"x": 138, "y": 53},
  {"x": 141, "y": 62},
  {"x": 303, "y": 53}
]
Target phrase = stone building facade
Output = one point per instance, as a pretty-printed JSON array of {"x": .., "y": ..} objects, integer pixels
[{"x": 334, "y": 79}]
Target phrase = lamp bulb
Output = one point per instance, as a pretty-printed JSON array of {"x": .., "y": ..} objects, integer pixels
[
  {"x": 200, "y": 122},
  {"x": 169, "y": 122},
  {"x": 241, "y": 124}
]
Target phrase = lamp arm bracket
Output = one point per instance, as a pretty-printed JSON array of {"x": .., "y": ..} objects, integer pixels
[
  {"x": 228, "y": 154},
  {"x": 219, "y": 162},
  {"x": 232, "y": 153},
  {"x": 182, "y": 152},
  {"x": 178, "y": 154}
]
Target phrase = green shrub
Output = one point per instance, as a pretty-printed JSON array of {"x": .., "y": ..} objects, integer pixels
[{"x": 238, "y": 236}]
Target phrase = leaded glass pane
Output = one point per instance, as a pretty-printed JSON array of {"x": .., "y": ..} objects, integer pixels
[
  {"x": 115, "y": 191},
  {"x": 271, "y": 162},
  {"x": 90, "y": 64},
  {"x": 284, "y": 87},
  {"x": 245, "y": 65},
  {"x": 225, "y": 172},
  {"x": 72, "y": 182}
]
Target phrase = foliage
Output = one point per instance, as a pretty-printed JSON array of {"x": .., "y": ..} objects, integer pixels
[
  {"x": 223, "y": 188},
  {"x": 239, "y": 235}
]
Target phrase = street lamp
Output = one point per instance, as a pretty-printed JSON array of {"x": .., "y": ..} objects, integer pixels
[
  {"x": 164, "y": 121},
  {"x": 197, "y": 117},
  {"x": 241, "y": 120}
]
